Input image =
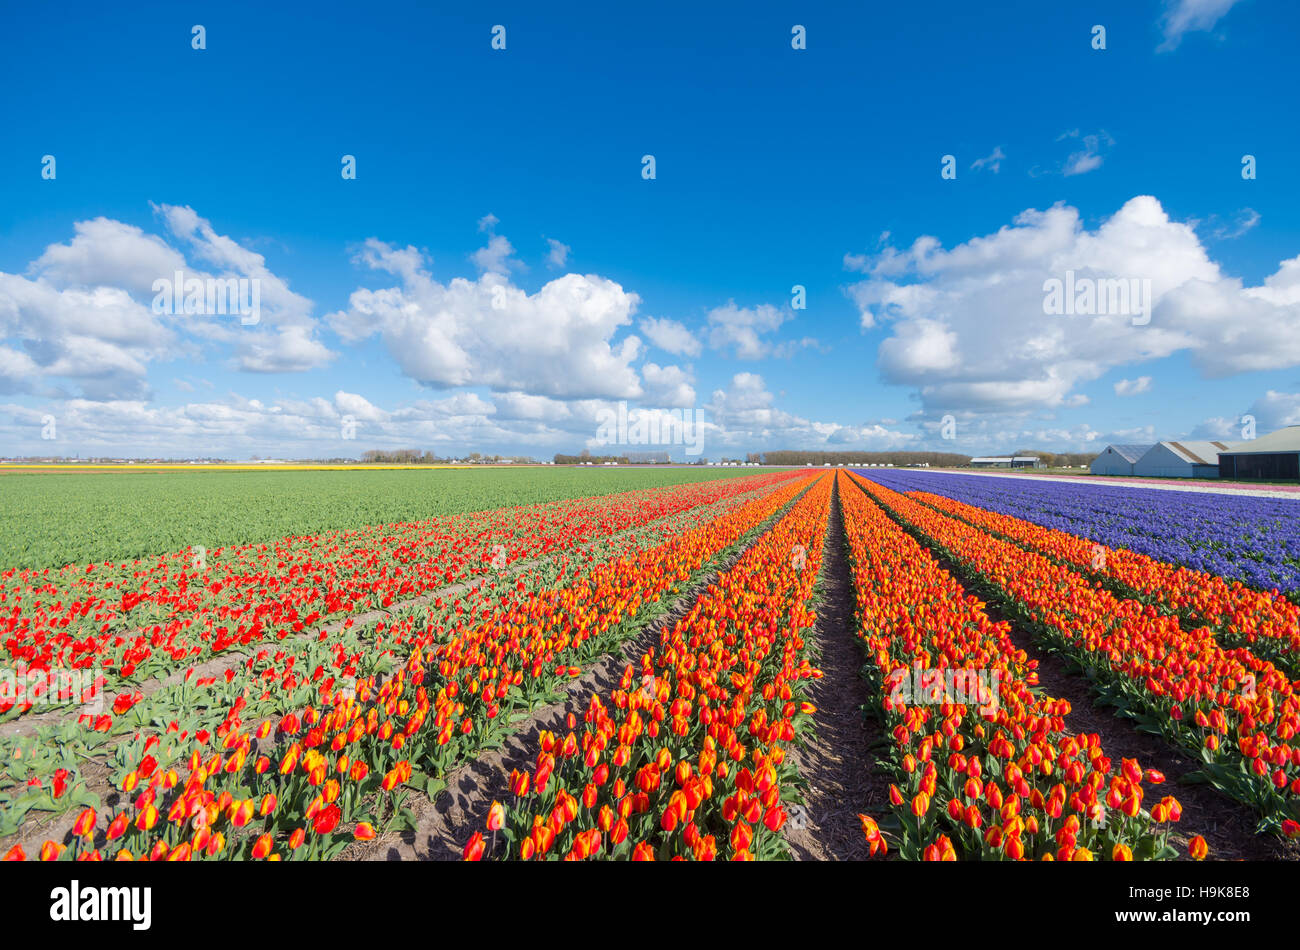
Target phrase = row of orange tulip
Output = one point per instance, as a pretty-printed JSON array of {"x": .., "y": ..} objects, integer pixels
[
  {"x": 984, "y": 765},
  {"x": 1234, "y": 711},
  {"x": 368, "y": 745},
  {"x": 1237, "y": 612},
  {"x": 686, "y": 759}
]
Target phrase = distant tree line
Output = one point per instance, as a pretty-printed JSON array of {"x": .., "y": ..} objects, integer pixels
[
  {"x": 588, "y": 457},
  {"x": 401, "y": 457},
  {"x": 416, "y": 457}
]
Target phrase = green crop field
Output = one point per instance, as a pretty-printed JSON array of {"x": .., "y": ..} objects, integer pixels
[{"x": 48, "y": 519}]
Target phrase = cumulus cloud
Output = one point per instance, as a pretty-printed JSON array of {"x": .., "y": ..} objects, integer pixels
[
  {"x": 1273, "y": 410},
  {"x": 1185, "y": 16},
  {"x": 558, "y": 255},
  {"x": 106, "y": 253},
  {"x": 342, "y": 426},
  {"x": 669, "y": 386},
  {"x": 1132, "y": 387},
  {"x": 83, "y": 314},
  {"x": 1088, "y": 156},
  {"x": 670, "y": 336},
  {"x": 966, "y": 327},
  {"x": 744, "y": 415},
  {"x": 497, "y": 257},
  {"x": 741, "y": 329},
  {"x": 98, "y": 338},
  {"x": 557, "y": 342}
]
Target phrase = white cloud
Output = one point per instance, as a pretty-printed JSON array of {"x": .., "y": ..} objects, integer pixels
[
  {"x": 1185, "y": 16},
  {"x": 557, "y": 342},
  {"x": 1132, "y": 387},
  {"x": 741, "y": 329},
  {"x": 239, "y": 427},
  {"x": 497, "y": 257},
  {"x": 281, "y": 307},
  {"x": 1245, "y": 220},
  {"x": 83, "y": 314},
  {"x": 744, "y": 416},
  {"x": 1088, "y": 157},
  {"x": 966, "y": 327},
  {"x": 992, "y": 161},
  {"x": 670, "y": 336},
  {"x": 98, "y": 338},
  {"x": 558, "y": 255},
  {"x": 1273, "y": 410},
  {"x": 104, "y": 253},
  {"x": 669, "y": 386}
]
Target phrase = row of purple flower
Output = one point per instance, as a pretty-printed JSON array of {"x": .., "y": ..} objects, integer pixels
[{"x": 1249, "y": 538}]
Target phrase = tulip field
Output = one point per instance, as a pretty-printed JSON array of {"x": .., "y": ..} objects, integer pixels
[{"x": 310, "y": 695}]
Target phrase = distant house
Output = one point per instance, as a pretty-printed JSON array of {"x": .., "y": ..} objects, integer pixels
[
  {"x": 1118, "y": 459},
  {"x": 1275, "y": 456},
  {"x": 1181, "y": 460},
  {"x": 1006, "y": 461}
]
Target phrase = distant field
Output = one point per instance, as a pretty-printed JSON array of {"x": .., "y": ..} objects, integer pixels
[{"x": 49, "y": 518}]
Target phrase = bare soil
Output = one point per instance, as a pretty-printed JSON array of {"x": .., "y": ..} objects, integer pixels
[{"x": 837, "y": 762}]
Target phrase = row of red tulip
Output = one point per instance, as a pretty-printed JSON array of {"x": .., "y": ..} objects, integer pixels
[
  {"x": 1237, "y": 612},
  {"x": 149, "y": 617},
  {"x": 984, "y": 766},
  {"x": 305, "y": 786},
  {"x": 686, "y": 759},
  {"x": 1234, "y": 711}
]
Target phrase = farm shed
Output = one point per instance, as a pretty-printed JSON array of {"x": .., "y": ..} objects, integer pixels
[
  {"x": 1007, "y": 461},
  {"x": 1275, "y": 456},
  {"x": 1181, "y": 460},
  {"x": 1118, "y": 459}
]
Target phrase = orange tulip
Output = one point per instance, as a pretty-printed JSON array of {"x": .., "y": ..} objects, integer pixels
[
  {"x": 474, "y": 847},
  {"x": 263, "y": 846},
  {"x": 85, "y": 824}
]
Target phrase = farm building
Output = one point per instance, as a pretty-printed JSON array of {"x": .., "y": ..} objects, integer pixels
[
  {"x": 1274, "y": 456},
  {"x": 1181, "y": 460},
  {"x": 1118, "y": 459},
  {"x": 1007, "y": 461}
]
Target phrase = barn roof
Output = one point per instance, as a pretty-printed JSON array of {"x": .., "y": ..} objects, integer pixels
[
  {"x": 1283, "y": 440},
  {"x": 1197, "y": 453},
  {"x": 1131, "y": 452}
]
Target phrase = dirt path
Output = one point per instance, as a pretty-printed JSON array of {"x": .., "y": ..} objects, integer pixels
[{"x": 837, "y": 764}]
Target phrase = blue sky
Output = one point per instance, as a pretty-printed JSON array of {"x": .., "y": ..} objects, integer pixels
[{"x": 515, "y": 176}]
